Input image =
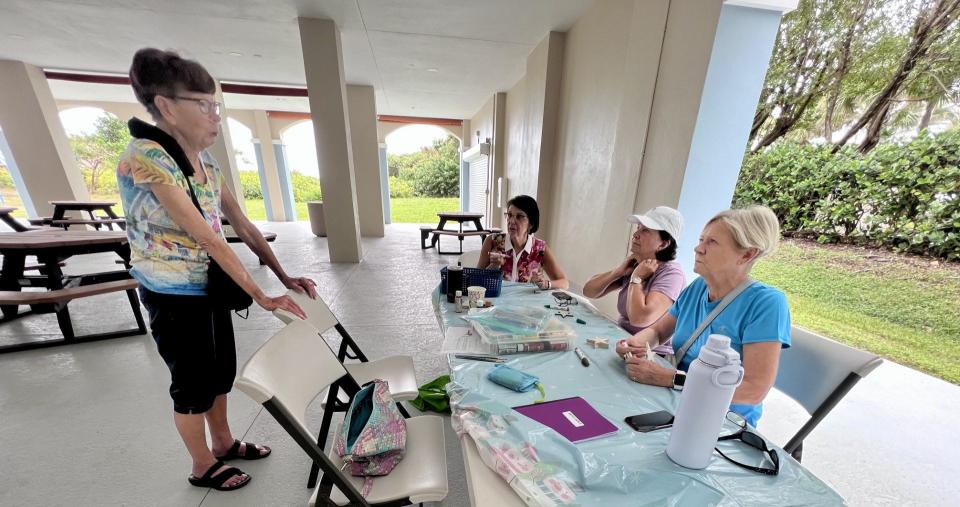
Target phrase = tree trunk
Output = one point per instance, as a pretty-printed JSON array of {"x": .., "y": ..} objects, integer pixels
[
  {"x": 926, "y": 29},
  {"x": 927, "y": 115},
  {"x": 873, "y": 130},
  {"x": 843, "y": 67}
]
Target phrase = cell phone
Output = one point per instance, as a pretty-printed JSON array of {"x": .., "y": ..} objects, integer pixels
[{"x": 650, "y": 422}]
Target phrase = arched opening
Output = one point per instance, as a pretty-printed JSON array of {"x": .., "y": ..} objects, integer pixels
[
  {"x": 423, "y": 163},
  {"x": 98, "y": 139},
  {"x": 299, "y": 153},
  {"x": 245, "y": 158}
]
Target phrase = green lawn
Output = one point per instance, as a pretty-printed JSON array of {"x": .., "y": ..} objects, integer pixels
[
  {"x": 417, "y": 210},
  {"x": 903, "y": 309}
]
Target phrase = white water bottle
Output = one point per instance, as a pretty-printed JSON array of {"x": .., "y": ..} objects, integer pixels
[{"x": 707, "y": 392}]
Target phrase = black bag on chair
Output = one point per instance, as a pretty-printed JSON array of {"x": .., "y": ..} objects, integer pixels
[{"x": 224, "y": 293}]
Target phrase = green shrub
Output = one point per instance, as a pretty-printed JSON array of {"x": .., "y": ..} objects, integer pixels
[
  {"x": 437, "y": 178},
  {"x": 400, "y": 188},
  {"x": 250, "y": 181},
  {"x": 902, "y": 196},
  {"x": 305, "y": 188}
]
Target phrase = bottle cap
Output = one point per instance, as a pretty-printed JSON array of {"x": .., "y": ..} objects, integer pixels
[
  {"x": 717, "y": 351},
  {"x": 459, "y": 293}
]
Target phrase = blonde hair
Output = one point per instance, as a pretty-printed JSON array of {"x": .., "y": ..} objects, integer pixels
[{"x": 752, "y": 227}]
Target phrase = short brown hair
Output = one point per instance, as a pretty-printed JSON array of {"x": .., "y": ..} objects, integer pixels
[{"x": 157, "y": 72}]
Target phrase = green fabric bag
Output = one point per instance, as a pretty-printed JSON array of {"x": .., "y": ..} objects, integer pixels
[{"x": 433, "y": 396}]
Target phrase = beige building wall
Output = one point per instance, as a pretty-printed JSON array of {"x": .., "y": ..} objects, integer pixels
[
  {"x": 531, "y": 122},
  {"x": 482, "y": 121},
  {"x": 366, "y": 158},
  {"x": 30, "y": 122}
]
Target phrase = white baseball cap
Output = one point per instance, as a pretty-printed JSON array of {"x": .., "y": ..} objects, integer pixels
[{"x": 661, "y": 218}]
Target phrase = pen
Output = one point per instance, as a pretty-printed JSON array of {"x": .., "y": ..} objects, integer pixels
[
  {"x": 489, "y": 359},
  {"x": 583, "y": 358}
]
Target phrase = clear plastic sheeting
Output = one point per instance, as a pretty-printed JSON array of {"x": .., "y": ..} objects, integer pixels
[{"x": 626, "y": 468}]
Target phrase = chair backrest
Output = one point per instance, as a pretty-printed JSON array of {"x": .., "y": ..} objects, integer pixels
[
  {"x": 293, "y": 366},
  {"x": 318, "y": 313},
  {"x": 470, "y": 259},
  {"x": 814, "y": 366}
]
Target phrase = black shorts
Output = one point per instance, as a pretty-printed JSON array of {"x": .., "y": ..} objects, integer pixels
[{"x": 196, "y": 341}]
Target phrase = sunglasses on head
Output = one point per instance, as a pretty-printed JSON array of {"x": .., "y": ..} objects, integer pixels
[{"x": 750, "y": 438}]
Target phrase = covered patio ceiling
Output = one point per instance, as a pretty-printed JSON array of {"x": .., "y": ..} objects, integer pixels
[{"x": 439, "y": 58}]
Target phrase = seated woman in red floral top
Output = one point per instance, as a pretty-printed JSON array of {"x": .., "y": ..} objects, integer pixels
[{"x": 535, "y": 262}]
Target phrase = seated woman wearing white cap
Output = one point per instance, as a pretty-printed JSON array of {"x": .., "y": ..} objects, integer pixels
[{"x": 649, "y": 279}]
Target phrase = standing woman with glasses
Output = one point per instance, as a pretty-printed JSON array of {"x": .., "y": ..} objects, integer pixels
[
  {"x": 165, "y": 175},
  {"x": 520, "y": 256}
]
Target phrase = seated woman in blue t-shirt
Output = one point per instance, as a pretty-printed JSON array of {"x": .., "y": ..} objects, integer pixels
[{"x": 757, "y": 321}]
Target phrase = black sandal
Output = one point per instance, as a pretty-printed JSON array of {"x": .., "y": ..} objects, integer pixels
[
  {"x": 250, "y": 452},
  {"x": 217, "y": 481}
]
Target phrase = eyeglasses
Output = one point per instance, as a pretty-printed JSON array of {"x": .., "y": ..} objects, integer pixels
[
  {"x": 750, "y": 438},
  {"x": 518, "y": 217},
  {"x": 205, "y": 105}
]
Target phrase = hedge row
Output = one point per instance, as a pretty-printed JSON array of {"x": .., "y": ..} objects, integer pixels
[{"x": 904, "y": 196}]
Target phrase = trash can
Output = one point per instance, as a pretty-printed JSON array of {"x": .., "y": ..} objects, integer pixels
[{"x": 317, "y": 223}]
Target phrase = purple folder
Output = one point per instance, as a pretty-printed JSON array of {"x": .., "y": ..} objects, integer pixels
[{"x": 573, "y": 418}]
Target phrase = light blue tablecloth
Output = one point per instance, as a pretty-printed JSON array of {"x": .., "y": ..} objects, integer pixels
[{"x": 627, "y": 468}]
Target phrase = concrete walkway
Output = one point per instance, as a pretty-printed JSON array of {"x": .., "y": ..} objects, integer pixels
[{"x": 91, "y": 424}]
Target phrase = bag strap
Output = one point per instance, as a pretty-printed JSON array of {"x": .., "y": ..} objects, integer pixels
[{"x": 682, "y": 351}]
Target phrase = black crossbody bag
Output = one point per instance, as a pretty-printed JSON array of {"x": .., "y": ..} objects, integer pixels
[{"x": 224, "y": 293}]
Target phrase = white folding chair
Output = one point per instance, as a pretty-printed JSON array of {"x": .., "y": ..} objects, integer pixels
[
  {"x": 470, "y": 259},
  {"x": 398, "y": 371},
  {"x": 288, "y": 372},
  {"x": 818, "y": 372}
]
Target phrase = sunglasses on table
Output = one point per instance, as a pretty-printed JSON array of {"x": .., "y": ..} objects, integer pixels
[{"x": 747, "y": 436}]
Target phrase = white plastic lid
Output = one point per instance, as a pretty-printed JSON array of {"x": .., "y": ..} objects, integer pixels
[
  {"x": 717, "y": 351},
  {"x": 459, "y": 293}
]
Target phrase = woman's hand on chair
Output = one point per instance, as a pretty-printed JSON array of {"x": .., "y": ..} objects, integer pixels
[
  {"x": 302, "y": 285},
  {"x": 283, "y": 303}
]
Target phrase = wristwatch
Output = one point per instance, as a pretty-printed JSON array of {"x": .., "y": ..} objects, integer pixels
[
  {"x": 636, "y": 279},
  {"x": 678, "y": 379}
]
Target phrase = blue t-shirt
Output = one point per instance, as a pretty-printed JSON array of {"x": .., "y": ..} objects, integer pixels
[{"x": 759, "y": 314}]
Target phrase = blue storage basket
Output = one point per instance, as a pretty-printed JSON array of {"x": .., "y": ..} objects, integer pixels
[{"x": 491, "y": 279}]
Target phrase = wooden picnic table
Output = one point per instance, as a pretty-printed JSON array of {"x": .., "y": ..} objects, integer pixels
[
  {"x": 60, "y": 209},
  {"x": 6, "y": 215},
  {"x": 456, "y": 216},
  {"x": 460, "y": 217},
  {"x": 51, "y": 247}
]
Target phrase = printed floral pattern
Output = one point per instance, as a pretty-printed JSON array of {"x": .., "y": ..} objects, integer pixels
[
  {"x": 497, "y": 431},
  {"x": 164, "y": 257},
  {"x": 528, "y": 263}
]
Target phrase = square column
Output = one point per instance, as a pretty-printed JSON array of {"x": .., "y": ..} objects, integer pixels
[
  {"x": 38, "y": 152},
  {"x": 222, "y": 151},
  {"x": 323, "y": 67},
  {"x": 712, "y": 66},
  {"x": 267, "y": 157},
  {"x": 366, "y": 158}
]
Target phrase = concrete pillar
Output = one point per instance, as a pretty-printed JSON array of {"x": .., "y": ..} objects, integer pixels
[
  {"x": 366, "y": 158},
  {"x": 466, "y": 140},
  {"x": 713, "y": 63},
  {"x": 286, "y": 181},
  {"x": 323, "y": 68},
  {"x": 222, "y": 151},
  {"x": 267, "y": 167},
  {"x": 38, "y": 152},
  {"x": 500, "y": 191},
  {"x": 15, "y": 174},
  {"x": 384, "y": 181}
]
